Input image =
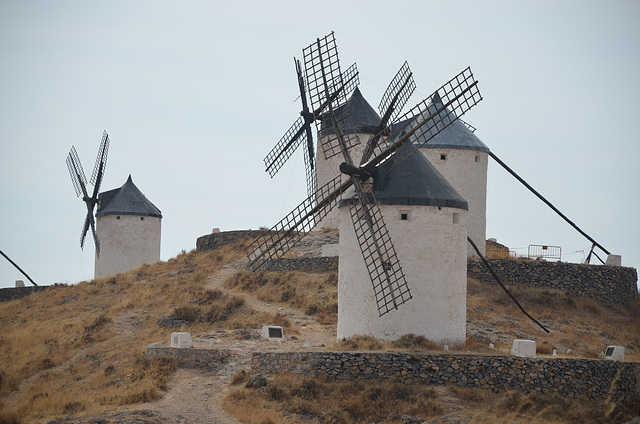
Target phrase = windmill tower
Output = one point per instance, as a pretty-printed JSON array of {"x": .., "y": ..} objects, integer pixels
[
  {"x": 389, "y": 288},
  {"x": 426, "y": 219},
  {"x": 461, "y": 157},
  {"x": 129, "y": 227}
]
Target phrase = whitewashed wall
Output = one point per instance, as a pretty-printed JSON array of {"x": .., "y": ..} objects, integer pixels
[
  {"x": 466, "y": 170},
  {"x": 432, "y": 252},
  {"x": 126, "y": 242},
  {"x": 328, "y": 169}
]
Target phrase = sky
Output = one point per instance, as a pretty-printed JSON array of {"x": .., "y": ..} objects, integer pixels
[{"x": 194, "y": 94}]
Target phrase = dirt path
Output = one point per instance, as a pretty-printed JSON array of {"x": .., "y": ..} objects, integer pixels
[{"x": 194, "y": 396}]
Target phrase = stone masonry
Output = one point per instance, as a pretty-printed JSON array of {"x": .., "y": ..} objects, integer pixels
[
  {"x": 608, "y": 285},
  {"x": 206, "y": 359},
  {"x": 580, "y": 378},
  {"x": 216, "y": 240},
  {"x": 13, "y": 293}
]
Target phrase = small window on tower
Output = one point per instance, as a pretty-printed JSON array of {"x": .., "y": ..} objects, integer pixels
[
  {"x": 117, "y": 217},
  {"x": 443, "y": 157},
  {"x": 456, "y": 218},
  {"x": 404, "y": 216},
  {"x": 477, "y": 158},
  {"x": 142, "y": 218}
]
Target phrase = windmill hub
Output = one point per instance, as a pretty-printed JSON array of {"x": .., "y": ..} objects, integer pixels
[{"x": 352, "y": 170}]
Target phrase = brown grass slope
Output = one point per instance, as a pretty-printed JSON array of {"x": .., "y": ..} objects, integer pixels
[{"x": 80, "y": 349}]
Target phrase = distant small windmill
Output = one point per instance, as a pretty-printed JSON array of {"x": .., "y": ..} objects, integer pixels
[
  {"x": 79, "y": 181},
  {"x": 326, "y": 88}
]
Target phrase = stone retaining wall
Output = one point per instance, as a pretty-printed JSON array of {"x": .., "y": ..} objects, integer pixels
[
  {"x": 320, "y": 264},
  {"x": 13, "y": 293},
  {"x": 216, "y": 240},
  {"x": 207, "y": 359},
  {"x": 567, "y": 377},
  {"x": 607, "y": 285}
]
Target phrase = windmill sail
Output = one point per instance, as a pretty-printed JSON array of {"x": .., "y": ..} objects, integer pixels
[{"x": 79, "y": 181}]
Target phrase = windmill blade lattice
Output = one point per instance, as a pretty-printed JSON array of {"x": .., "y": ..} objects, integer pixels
[
  {"x": 79, "y": 181},
  {"x": 283, "y": 150},
  {"x": 389, "y": 283},
  {"x": 300, "y": 132},
  {"x": 89, "y": 222},
  {"x": 375, "y": 244},
  {"x": 397, "y": 94},
  {"x": 327, "y": 88},
  {"x": 76, "y": 172},
  {"x": 393, "y": 100},
  {"x": 309, "y": 160},
  {"x": 429, "y": 117},
  {"x": 101, "y": 160},
  {"x": 292, "y": 228},
  {"x": 346, "y": 83}
]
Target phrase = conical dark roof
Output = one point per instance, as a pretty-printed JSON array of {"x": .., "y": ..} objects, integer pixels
[
  {"x": 415, "y": 181},
  {"x": 361, "y": 113},
  {"x": 455, "y": 136},
  {"x": 126, "y": 200}
]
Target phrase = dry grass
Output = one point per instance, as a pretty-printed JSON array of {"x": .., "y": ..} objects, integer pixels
[
  {"x": 576, "y": 323},
  {"x": 288, "y": 399},
  {"x": 408, "y": 342},
  {"x": 312, "y": 293},
  {"x": 80, "y": 348},
  {"x": 295, "y": 400},
  {"x": 517, "y": 407}
]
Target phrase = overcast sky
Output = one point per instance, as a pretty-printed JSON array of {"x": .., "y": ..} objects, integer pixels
[{"x": 194, "y": 94}]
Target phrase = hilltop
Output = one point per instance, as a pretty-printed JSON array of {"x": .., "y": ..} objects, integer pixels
[{"x": 76, "y": 353}]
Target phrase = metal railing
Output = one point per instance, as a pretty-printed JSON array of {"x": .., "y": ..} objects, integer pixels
[{"x": 546, "y": 252}]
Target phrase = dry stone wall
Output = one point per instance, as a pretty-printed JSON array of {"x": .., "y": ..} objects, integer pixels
[
  {"x": 207, "y": 359},
  {"x": 329, "y": 263},
  {"x": 216, "y": 240},
  {"x": 13, "y": 293},
  {"x": 607, "y": 285},
  {"x": 580, "y": 378}
]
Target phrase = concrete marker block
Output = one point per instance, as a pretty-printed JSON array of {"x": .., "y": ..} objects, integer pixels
[
  {"x": 524, "y": 348},
  {"x": 614, "y": 353},
  {"x": 272, "y": 332},
  {"x": 613, "y": 260},
  {"x": 181, "y": 340}
]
